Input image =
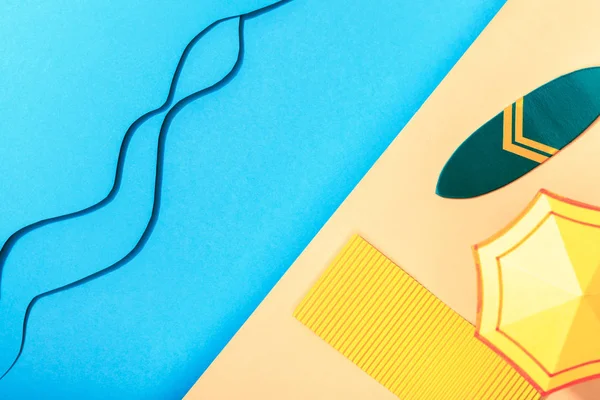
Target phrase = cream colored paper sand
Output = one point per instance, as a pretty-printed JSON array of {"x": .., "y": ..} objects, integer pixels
[
  {"x": 527, "y": 44},
  {"x": 395, "y": 330}
]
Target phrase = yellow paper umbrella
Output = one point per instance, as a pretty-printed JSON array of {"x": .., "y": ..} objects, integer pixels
[{"x": 539, "y": 292}]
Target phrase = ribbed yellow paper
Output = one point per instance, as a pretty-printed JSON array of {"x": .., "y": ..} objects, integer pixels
[{"x": 385, "y": 322}]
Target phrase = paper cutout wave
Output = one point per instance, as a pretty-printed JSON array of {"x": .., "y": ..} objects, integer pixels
[{"x": 14, "y": 312}]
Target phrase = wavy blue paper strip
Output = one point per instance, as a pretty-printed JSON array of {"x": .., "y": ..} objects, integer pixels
[{"x": 12, "y": 342}]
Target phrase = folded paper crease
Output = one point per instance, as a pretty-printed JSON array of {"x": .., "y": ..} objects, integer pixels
[{"x": 400, "y": 334}]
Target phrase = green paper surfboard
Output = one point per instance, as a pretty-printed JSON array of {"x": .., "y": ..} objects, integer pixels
[{"x": 523, "y": 135}]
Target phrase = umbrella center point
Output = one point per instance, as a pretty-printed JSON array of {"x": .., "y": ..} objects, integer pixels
[{"x": 540, "y": 289}]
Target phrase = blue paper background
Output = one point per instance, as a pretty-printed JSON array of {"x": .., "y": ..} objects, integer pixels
[{"x": 251, "y": 171}]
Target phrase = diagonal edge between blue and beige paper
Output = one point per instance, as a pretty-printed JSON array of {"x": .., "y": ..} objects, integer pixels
[{"x": 251, "y": 173}]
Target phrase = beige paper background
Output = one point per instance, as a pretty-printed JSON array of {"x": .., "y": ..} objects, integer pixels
[{"x": 395, "y": 207}]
